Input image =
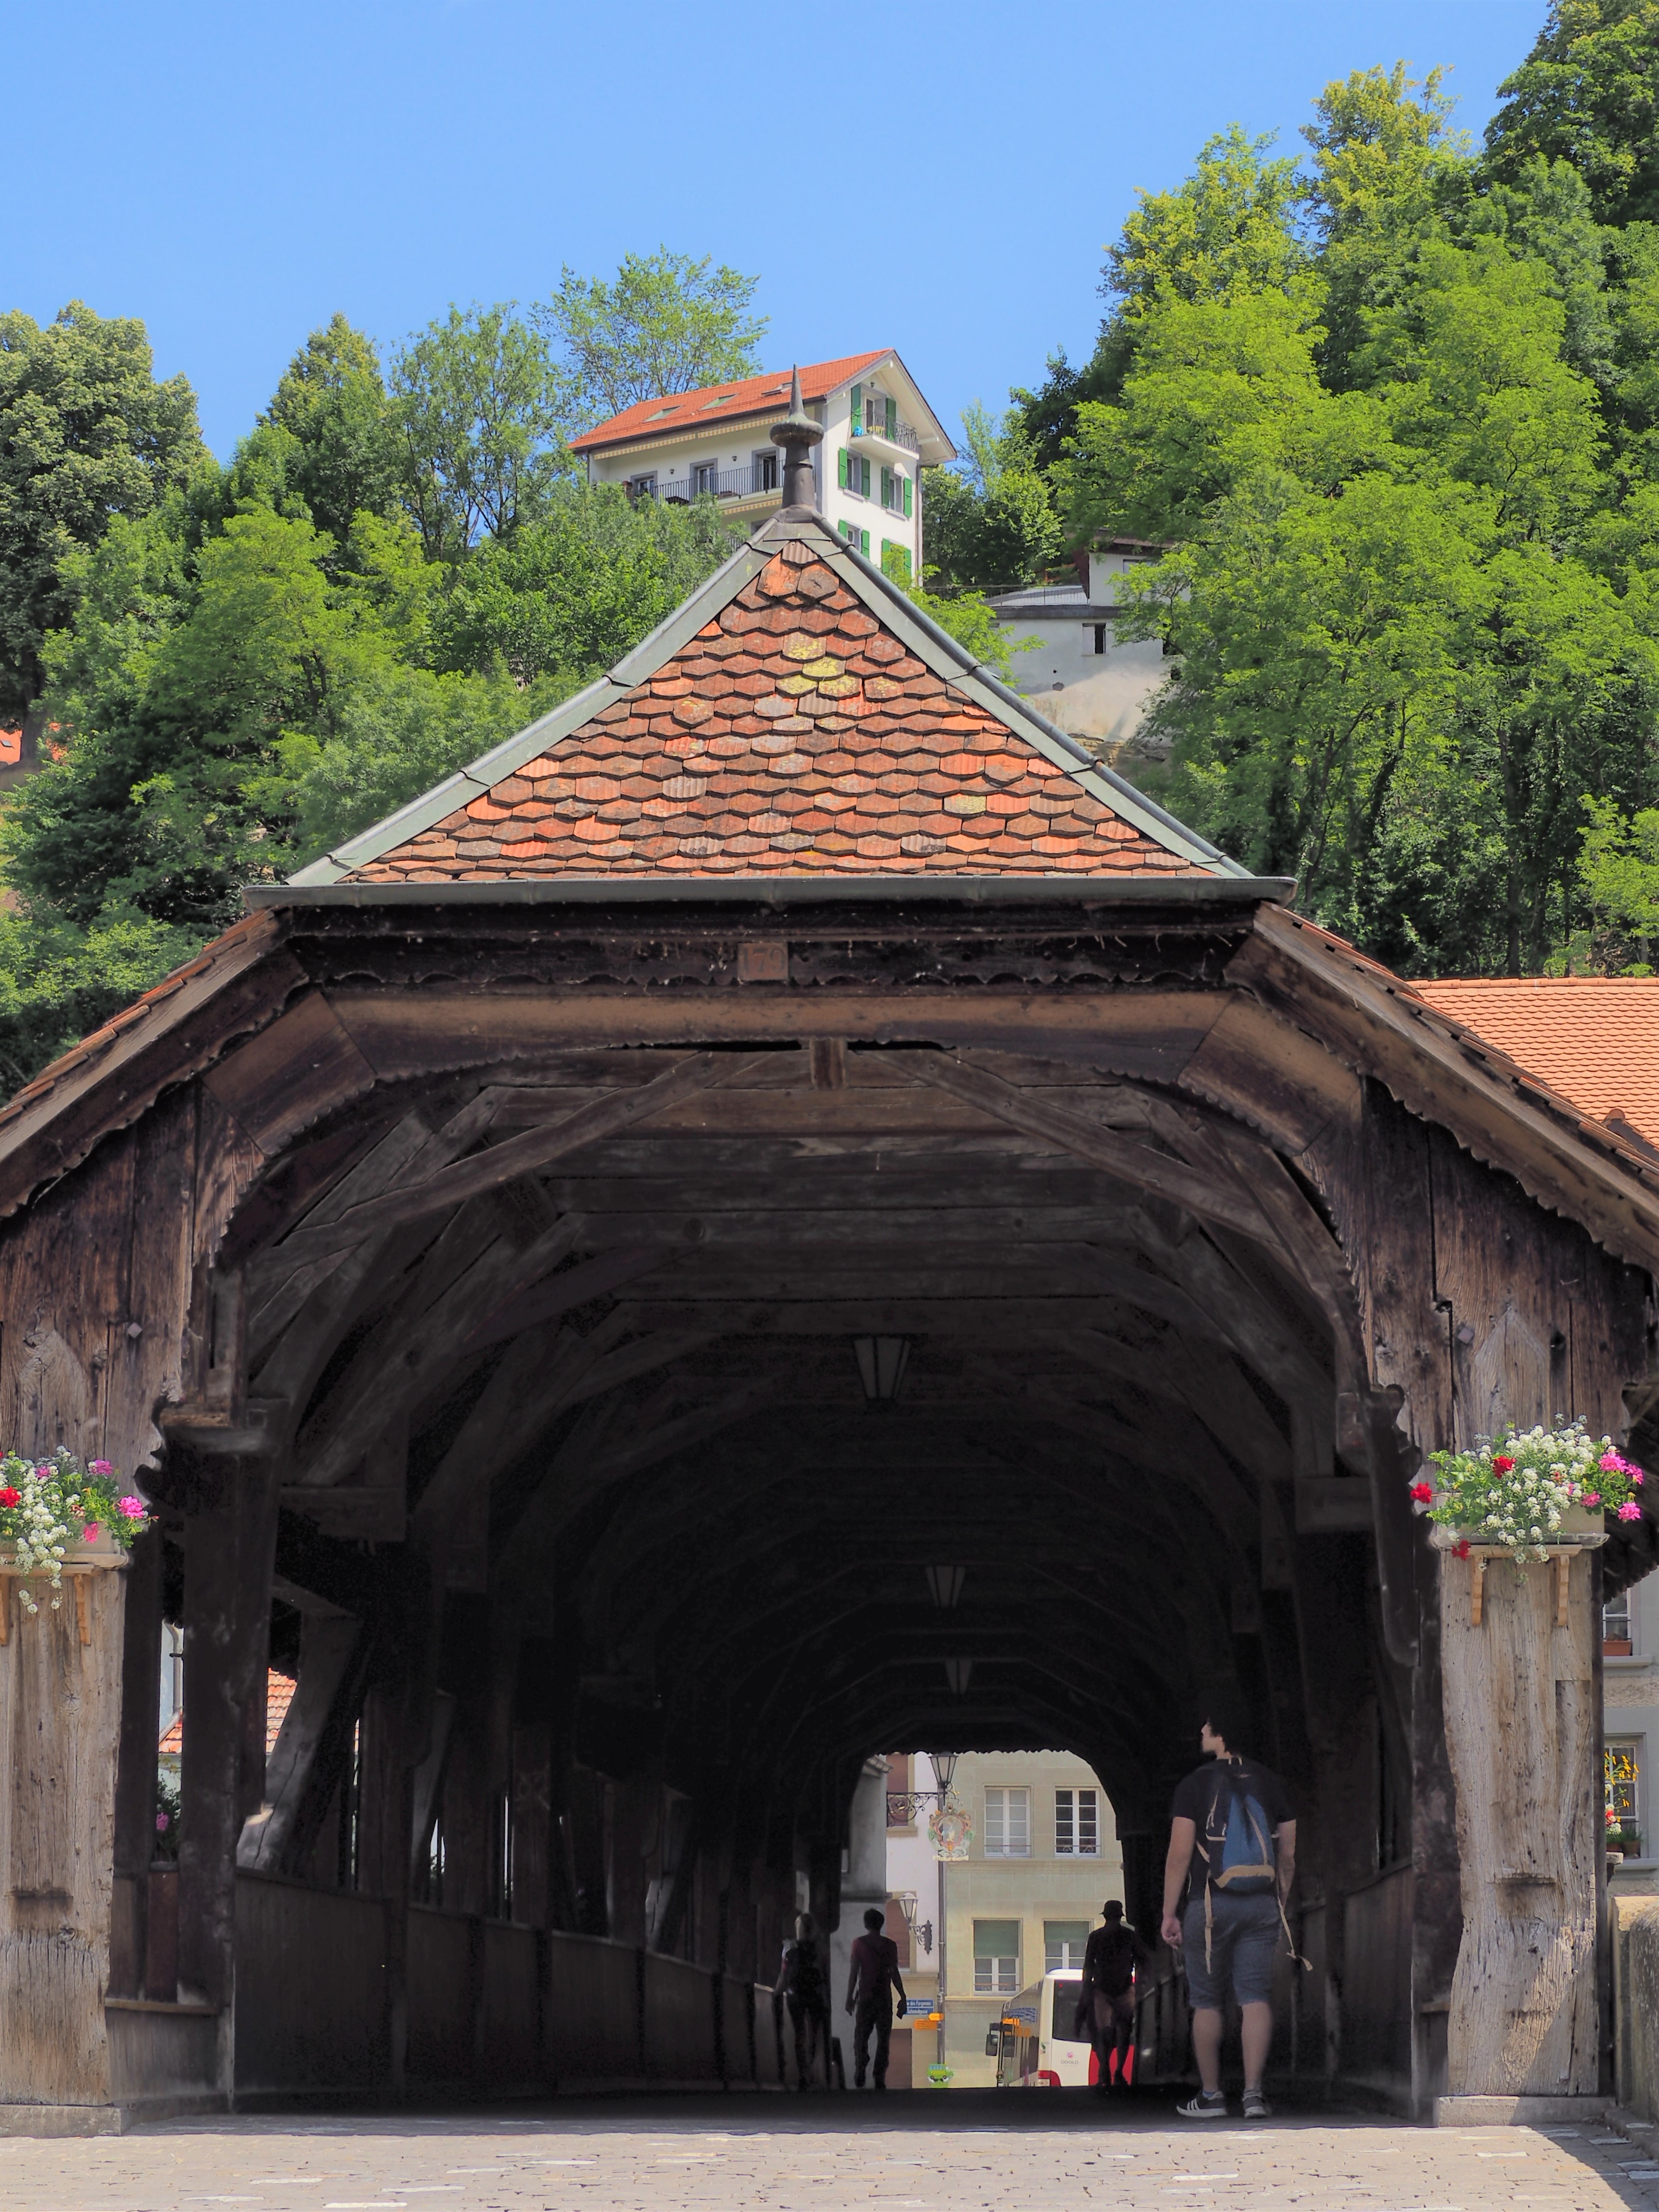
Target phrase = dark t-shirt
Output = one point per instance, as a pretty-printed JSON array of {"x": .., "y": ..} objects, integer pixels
[
  {"x": 803, "y": 1975},
  {"x": 874, "y": 1962},
  {"x": 1110, "y": 1960},
  {"x": 1195, "y": 1796}
]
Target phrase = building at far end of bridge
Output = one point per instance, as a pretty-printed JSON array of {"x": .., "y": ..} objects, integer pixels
[{"x": 880, "y": 433}]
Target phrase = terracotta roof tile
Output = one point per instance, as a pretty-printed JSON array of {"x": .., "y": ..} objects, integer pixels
[
  {"x": 792, "y": 734},
  {"x": 1593, "y": 1038}
]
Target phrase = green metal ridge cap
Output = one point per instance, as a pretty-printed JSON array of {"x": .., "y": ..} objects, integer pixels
[
  {"x": 932, "y": 644},
  {"x": 479, "y": 776}
]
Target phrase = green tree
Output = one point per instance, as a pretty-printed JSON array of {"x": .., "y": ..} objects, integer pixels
[
  {"x": 1588, "y": 94},
  {"x": 482, "y": 411},
  {"x": 666, "y": 323},
  {"x": 992, "y": 524},
  {"x": 86, "y": 433},
  {"x": 568, "y": 595},
  {"x": 332, "y": 403},
  {"x": 1619, "y": 868}
]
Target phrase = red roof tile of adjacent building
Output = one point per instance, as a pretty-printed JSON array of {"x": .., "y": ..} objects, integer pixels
[
  {"x": 750, "y": 395},
  {"x": 279, "y": 1695},
  {"x": 1595, "y": 1039},
  {"x": 809, "y": 724}
]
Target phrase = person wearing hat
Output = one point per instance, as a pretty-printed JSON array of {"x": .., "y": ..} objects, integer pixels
[{"x": 1106, "y": 2004}]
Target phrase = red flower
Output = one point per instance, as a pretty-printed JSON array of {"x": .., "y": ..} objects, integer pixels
[
  {"x": 1423, "y": 1492},
  {"x": 1461, "y": 1550},
  {"x": 1502, "y": 1465},
  {"x": 10, "y": 1497}
]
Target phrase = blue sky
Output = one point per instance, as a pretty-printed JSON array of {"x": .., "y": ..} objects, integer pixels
[{"x": 938, "y": 178}]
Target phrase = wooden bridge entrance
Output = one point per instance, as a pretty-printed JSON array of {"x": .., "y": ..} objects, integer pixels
[{"x": 471, "y": 1254}]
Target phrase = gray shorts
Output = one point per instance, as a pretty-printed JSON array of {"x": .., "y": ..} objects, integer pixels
[{"x": 1243, "y": 1936}]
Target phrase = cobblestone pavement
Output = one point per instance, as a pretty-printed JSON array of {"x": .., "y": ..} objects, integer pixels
[{"x": 955, "y": 2151}]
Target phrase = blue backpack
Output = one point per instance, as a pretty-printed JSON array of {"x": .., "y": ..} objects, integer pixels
[{"x": 1237, "y": 1843}]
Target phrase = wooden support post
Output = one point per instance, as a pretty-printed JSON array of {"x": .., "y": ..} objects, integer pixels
[
  {"x": 135, "y": 1776},
  {"x": 1521, "y": 1731},
  {"x": 229, "y": 1552}
]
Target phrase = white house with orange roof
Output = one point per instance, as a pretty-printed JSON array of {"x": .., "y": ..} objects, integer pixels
[{"x": 716, "y": 443}]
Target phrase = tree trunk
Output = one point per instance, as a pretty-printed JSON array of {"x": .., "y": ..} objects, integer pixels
[{"x": 1521, "y": 1730}]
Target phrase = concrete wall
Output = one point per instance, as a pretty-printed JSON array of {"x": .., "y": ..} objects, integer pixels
[{"x": 1634, "y": 1930}]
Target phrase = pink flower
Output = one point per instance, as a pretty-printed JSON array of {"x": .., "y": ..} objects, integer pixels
[
  {"x": 1630, "y": 1510},
  {"x": 1592, "y": 1497},
  {"x": 1610, "y": 1463},
  {"x": 90, "y": 1531},
  {"x": 1423, "y": 1492},
  {"x": 99, "y": 1467},
  {"x": 162, "y": 1823},
  {"x": 131, "y": 1509},
  {"x": 1637, "y": 1475}
]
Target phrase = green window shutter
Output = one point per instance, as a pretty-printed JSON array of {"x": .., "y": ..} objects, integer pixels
[
  {"x": 864, "y": 542},
  {"x": 841, "y": 459},
  {"x": 864, "y": 480},
  {"x": 858, "y": 410},
  {"x": 892, "y": 417},
  {"x": 907, "y": 499},
  {"x": 887, "y": 487}
]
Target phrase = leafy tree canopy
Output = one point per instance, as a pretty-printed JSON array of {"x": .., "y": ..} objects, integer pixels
[
  {"x": 664, "y": 323},
  {"x": 87, "y": 433},
  {"x": 1588, "y": 94}
]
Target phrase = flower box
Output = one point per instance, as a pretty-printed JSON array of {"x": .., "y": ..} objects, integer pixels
[{"x": 1582, "y": 1529}]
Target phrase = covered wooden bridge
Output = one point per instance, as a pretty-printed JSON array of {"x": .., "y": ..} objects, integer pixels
[{"x": 566, "y": 1266}]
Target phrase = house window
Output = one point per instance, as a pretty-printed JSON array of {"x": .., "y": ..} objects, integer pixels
[
  {"x": 1622, "y": 1761},
  {"x": 642, "y": 487},
  {"x": 855, "y": 536},
  {"x": 1063, "y": 1945},
  {"x": 996, "y": 1956},
  {"x": 896, "y": 491},
  {"x": 705, "y": 478},
  {"x": 1617, "y": 1640},
  {"x": 1076, "y": 1823},
  {"x": 852, "y": 474},
  {"x": 1008, "y": 1824},
  {"x": 880, "y": 414},
  {"x": 766, "y": 471},
  {"x": 1095, "y": 637}
]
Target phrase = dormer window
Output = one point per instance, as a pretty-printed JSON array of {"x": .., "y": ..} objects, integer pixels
[{"x": 872, "y": 413}]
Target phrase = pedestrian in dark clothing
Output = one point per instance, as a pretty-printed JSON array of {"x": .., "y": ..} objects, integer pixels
[
  {"x": 873, "y": 1981},
  {"x": 1106, "y": 2006},
  {"x": 1232, "y": 1829},
  {"x": 804, "y": 1988}
]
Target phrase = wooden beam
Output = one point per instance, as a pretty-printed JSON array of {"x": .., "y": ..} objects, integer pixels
[
  {"x": 1210, "y": 1197},
  {"x": 559, "y": 1294},
  {"x": 503, "y": 1163}
]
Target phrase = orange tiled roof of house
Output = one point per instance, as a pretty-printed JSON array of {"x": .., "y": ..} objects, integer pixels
[
  {"x": 11, "y": 748},
  {"x": 797, "y": 717},
  {"x": 1593, "y": 1038},
  {"x": 750, "y": 395},
  {"x": 279, "y": 1695}
]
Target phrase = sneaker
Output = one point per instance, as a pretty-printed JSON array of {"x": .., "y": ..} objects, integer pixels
[
  {"x": 1208, "y": 2104},
  {"x": 1256, "y": 2107}
]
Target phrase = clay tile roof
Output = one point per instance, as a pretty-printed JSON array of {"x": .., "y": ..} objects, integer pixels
[
  {"x": 1593, "y": 1038},
  {"x": 798, "y": 716},
  {"x": 11, "y": 748},
  {"x": 279, "y": 1695},
  {"x": 750, "y": 395}
]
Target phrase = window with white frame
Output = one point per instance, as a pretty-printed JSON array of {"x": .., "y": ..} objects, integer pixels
[
  {"x": 705, "y": 477},
  {"x": 1618, "y": 1640},
  {"x": 895, "y": 491},
  {"x": 996, "y": 1957},
  {"x": 853, "y": 473},
  {"x": 1008, "y": 1824},
  {"x": 1063, "y": 1943},
  {"x": 1076, "y": 1823}
]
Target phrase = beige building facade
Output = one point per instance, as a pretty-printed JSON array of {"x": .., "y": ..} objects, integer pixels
[{"x": 1043, "y": 1858}]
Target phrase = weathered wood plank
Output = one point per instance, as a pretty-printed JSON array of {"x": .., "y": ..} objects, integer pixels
[
  {"x": 453, "y": 1185},
  {"x": 1210, "y": 1197}
]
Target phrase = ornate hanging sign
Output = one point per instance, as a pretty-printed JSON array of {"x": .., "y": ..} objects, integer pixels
[{"x": 951, "y": 1832}]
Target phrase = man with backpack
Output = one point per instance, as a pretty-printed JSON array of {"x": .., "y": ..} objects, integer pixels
[{"x": 1231, "y": 1828}]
